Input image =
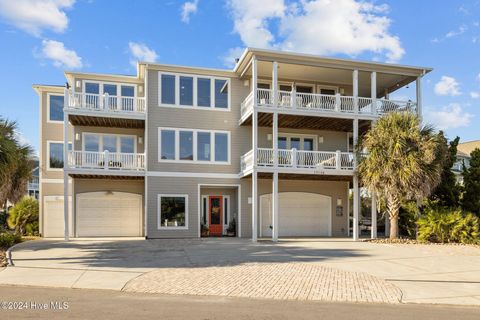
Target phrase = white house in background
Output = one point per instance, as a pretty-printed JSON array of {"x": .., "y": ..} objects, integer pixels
[{"x": 463, "y": 157}]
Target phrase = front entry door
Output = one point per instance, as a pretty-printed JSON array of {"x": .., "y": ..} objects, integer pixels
[{"x": 216, "y": 224}]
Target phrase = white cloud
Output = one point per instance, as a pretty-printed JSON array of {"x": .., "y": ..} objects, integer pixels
[
  {"x": 60, "y": 56},
  {"x": 455, "y": 33},
  {"x": 478, "y": 77},
  {"x": 33, "y": 16},
  {"x": 189, "y": 8},
  {"x": 232, "y": 54},
  {"x": 447, "y": 86},
  {"x": 318, "y": 27},
  {"x": 140, "y": 52},
  {"x": 449, "y": 117},
  {"x": 475, "y": 94}
]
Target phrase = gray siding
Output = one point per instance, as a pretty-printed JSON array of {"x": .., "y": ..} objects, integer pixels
[{"x": 197, "y": 119}]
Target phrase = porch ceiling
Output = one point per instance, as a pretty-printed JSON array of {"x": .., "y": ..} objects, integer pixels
[
  {"x": 308, "y": 122},
  {"x": 81, "y": 120}
]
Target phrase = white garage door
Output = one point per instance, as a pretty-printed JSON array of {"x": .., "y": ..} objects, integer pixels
[
  {"x": 53, "y": 218},
  {"x": 300, "y": 214},
  {"x": 109, "y": 214}
]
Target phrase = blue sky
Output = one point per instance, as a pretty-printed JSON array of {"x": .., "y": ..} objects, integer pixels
[{"x": 41, "y": 38}]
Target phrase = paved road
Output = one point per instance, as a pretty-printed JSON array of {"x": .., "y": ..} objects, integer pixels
[
  {"x": 106, "y": 304},
  {"x": 424, "y": 274}
]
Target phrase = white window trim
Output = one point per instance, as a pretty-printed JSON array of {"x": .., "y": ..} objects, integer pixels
[
  {"x": 48, "y": 107},
  {"x": 195, "y": 151},
  {"x": 159, "y": 214},
  {"x": 195, "y": 102},
  {"x": 288, "y": 136},
  {"x": 118, "y": 84},
  {"x": 48, "y": 155},
  {"x": 100, "y": 141},
  {"x": 226, "y": 223}
]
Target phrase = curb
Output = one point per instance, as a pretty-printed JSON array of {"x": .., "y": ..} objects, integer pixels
[{"x": 8, "y": 253}]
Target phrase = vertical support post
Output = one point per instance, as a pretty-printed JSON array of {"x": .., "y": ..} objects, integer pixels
[
  {"x": 275, "y": 83},
  {"x": 294, "y": 157},
  {"x": 374, "y": 216},
  {"x": 106, "y": 159},
  {"x": 275, "y": 139},
  {"x": 275, "y": 207},
  {"x": 356, "y": 208},
  {"x": 338, "y": 102},
  {"x": 356, "y": 192},
  {"x": 255, "y": 81},
  {"x": 373, "y": 92},
  {"x": 355, "y": 91},
  {"x": 338, "y": 160},
  {"x": 254, "y": 206},
  {"x": 65, "y": 174},
  {"x": 419, "y": 96}
]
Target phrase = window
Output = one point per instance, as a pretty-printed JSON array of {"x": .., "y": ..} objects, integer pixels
[
  {"x": 263, "y": 86},
  {"x": 168, "y": 145},
  {"x": 127, "y": 144},
  {"x": 172, "y": 211},
  {"x": 93, "y": 88},
  {"x": 201, "y": 146},
  {"x": 186, "y": 91},
  {"x": 181, "y": 90},
  {"x": 111, "y": 89},
  {"x": 55, "y": 155},
  {"x": 221, "y": 147},
  {"x": 221, "y": 94},
  {"x": 128, "y": 91},
  {"x": 186, "y": 145},
  {"x": 98, "y": 142},
  {"x": 168, "y": 89},
  {"x": 299, "y": 142},
  {"x": 203, "y": 92},
  {"x": 56, "y": 108}
]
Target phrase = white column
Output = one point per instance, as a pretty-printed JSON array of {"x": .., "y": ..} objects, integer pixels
[
  {"x": 254, "y": 206},
  {"x": 65, "y": 176},
  {"x": 419, "y": 96},
  {"x": 275, "y": 207},
  {"x": 254, "y": 80},
  {"x": 355, "y": 90},
  {"x": 275, "y": 83},
  {"x": 373, "y": 93},
  {"x": 356, "y": 207},
  {"x": 356, "y": 192},
  {"x": 374, "y": 216}
]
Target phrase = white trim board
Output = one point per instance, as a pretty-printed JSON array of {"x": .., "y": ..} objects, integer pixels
[{"x": 192, "y": 174}]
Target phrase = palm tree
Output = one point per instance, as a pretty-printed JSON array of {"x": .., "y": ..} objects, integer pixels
[
  {"x": 15, "y": 163},
  {"x": 404, "y": 162}
]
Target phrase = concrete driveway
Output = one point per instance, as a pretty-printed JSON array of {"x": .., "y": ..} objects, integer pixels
[{"x": 308, "y": 269}]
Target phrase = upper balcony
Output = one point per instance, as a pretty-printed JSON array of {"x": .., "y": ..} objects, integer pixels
[
  {"x": 306, "y": 86},
  {"x": 324, "y": 104},
  {"x": 106, "y": 163}
]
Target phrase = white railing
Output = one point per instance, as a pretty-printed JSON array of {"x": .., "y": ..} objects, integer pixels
[
  {"x": 105, "y": 102},
  {"x": 106, "y": 160},
  {"x": 292, "y": 158},
  {"x": 325, "y": 103}
]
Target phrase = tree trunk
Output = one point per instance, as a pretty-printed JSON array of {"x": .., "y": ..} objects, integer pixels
[{"x": 393, "y": 208}]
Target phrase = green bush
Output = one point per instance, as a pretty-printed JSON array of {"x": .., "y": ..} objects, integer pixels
[
  {"x": 8, "y": 239},
  {"x": 407, "y": 221},
  {"x": 23, "y": 217},
  {"x": 444, "y": 225}
]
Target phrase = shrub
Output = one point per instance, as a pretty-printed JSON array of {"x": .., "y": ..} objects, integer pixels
[
  {"x": 444, "y": 225},
  {"x": 407, "y": 222},
  {"x": 23, "y": 217},
  {"x": 8, "y": 239}
]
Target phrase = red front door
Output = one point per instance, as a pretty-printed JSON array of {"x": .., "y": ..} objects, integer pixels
[{"x": 215, "y": 214}]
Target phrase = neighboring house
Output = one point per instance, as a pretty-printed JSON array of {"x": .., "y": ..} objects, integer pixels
[
  {"x": 463, "y": 157},
  {"x": 33, "y": 184},
  {"x": 161, "y": 153}
]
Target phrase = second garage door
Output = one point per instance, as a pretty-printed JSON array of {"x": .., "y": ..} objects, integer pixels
[
  {"x": 301, "y": 214},
  {"x": 109, "y": 214}
]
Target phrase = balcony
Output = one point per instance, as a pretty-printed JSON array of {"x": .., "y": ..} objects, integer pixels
[
  {"x": 105, "y": 105},
  {"x": 33, "y": 184},
  {"x": 107, "y": 161},
  {"x": 323, "y": 104},
  {"x": 300, "y": 161}
]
